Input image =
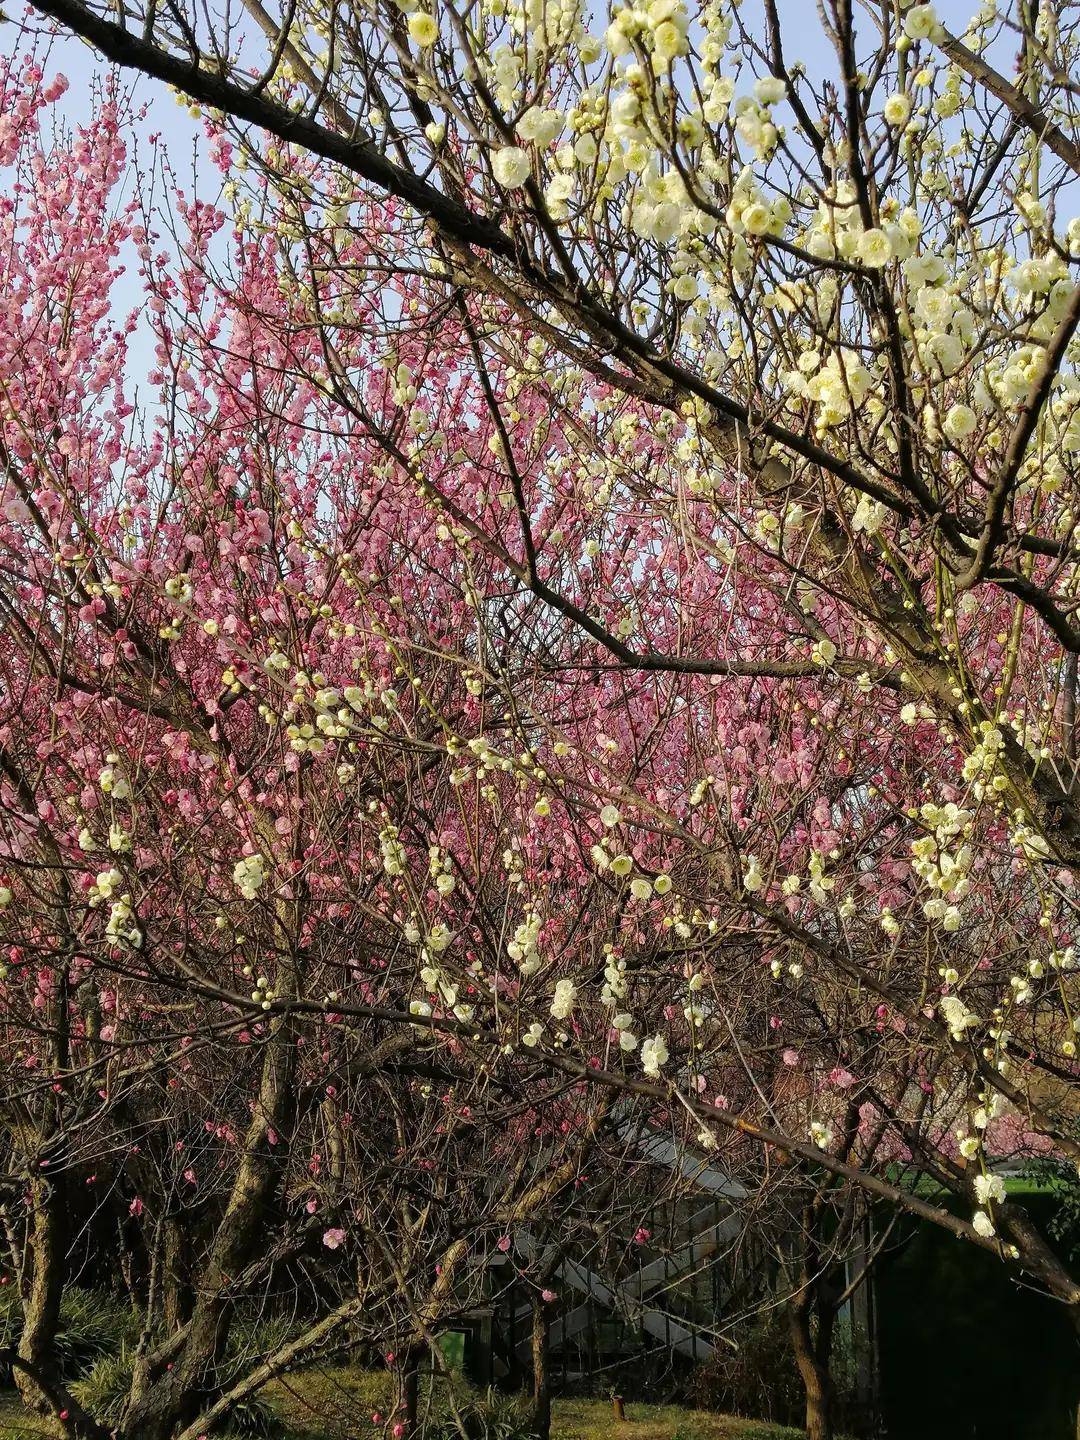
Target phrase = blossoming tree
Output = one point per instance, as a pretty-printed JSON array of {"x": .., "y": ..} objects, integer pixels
[
  {"x": 214, "y": 1024},
  {"x": 599, "y": 590}
]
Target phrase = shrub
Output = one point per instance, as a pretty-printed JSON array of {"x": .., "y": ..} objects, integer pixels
[
  {"x": 92, "y": 1325},
  {"x": 251, "y": 1337},
  {"x": 252, "y": 1419},
  {"x": 489, "y": 1416},
  {"x": 760, "y": 1378},
  {"x": 104, "y": 1391}
]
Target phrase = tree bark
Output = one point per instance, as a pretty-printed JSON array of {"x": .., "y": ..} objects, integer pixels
[
  {"x": 173, "y": 1384},
  {"x": 815, "y": 1376},
  {"x": 408, "y": 1401},
  {"x": 43, "y": 1269},
  {"x": 541, "y": 1380},
  {"x": 176, "y": 1292}
]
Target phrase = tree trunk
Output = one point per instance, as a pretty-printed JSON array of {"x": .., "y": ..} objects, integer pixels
[
  {"x": 408, "y": 1399},
  {"x": 45, "y": 1258},
  {"x": 814, "y": 1374},
  {"x": 541, "y": 1382},
  {"x": 170, "y": 1387},
  {"x": 43, "y": 1270},
  {"x": 176, "y": 1293}
]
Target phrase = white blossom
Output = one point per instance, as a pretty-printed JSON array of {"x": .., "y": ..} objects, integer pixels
[{"x": 511, "y": 166}]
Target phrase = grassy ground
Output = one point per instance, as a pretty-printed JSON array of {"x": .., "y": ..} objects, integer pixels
[
  {"x": 15, "y": 1424},
  {"x": 338, "y": 1405},
  {"x": 593, "y": 1420}
]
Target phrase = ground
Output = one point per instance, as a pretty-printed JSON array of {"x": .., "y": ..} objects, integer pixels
[
  {"x": 593, "y": 1420},
  {"x": 341, "y": 1397},
  {"x": 337, "y": 1405}
]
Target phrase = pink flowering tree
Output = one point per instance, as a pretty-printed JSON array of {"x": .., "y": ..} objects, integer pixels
[
  {"x": 229, "y": 881},
  {"x": 293, "y": 944}
]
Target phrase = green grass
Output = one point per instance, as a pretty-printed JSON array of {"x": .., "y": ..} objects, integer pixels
[
  {"x": 331, "y": 1403},
  {"x": 15, "y": 1422},
  {"x": 337, "y": 1404},
  {"x": 593, "y": 1420}
]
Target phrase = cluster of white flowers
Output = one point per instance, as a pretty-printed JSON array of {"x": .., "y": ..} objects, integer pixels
[
  {"x": 1028, "y": 841},
  {"x": 869, "y": 516},
  {"x": 121, "y": 926},
  {"x": 841, "y": 382},
  {"x": 112, "y": 779},
  {"x": 394, "y": 859},
  {"x": 912, "y": 713},
  {"x": 336, "y": 712},
  {"x": 660, "y": 29},
  {"x": 487, "y": 760},
  {"x": 968, "y": 1145},
  {"x": 940, "y": 868},
  {"x": 539, "y": 126},
  {"x": 249, "y": 875},
  {"x": 981, "y": 767},
  {"x": 623, "y": 1023},
  {"x": 440, "y": 870},
  {"x": 446, "y": 990},
  {"x": 523, "y": 947},
  {"x": 989, "y": 1191},
  {"x": 104, "y": 886},
  {"x": 753, "y": 212},
  {"x": 178, "y": 588},
  {"x": 615, "y": 987},
  {"x": 989, "y": 1188},
  {"x": 562, "y": 1004},
  {"x": 437, "y": 941},
  {"x": 654, "y": 1055},
  {"x": 821, "y": 1134},
  {"x": 957, "y": 1016},
  {"x": 264, "y": 994},
  {"x": 992, "y": 1105},
  {"x": 821, "y": 883}
]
